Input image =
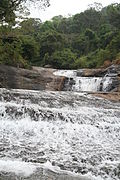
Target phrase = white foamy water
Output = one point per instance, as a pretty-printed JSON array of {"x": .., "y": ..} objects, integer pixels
[
  {"x": 71, "y": 134},
  {"x": 92, "y": 84},
  {"x": 24, "y": 170},
  {"x": 66, "y": 73},
  {"x": 17, "y": 167}
]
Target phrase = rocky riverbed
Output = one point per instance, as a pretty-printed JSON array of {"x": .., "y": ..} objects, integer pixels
[
  {"x": 37, "y": 78},
  {"x": 114, "y": 96},
  {"x": 58, "y": 135},
  {"x": 48, "y": 79}
]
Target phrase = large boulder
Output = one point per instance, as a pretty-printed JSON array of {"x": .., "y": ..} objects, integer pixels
[{"x": 35, "y": 79}]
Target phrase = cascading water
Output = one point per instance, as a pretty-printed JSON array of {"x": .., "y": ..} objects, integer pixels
[
  {"x": 92, "y": 84},
  {"x": 58, "y": 136}
]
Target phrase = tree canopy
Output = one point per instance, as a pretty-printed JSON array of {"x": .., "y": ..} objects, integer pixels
[{"x": 86, "y": 39}]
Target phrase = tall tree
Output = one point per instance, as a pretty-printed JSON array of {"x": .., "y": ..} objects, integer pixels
[
  {"x": 113, "y": 14},
  {"x": 8, "y": 8}
]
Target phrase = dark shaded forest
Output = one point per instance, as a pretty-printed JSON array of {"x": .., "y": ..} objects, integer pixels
[{"x": 85, "y": 40}]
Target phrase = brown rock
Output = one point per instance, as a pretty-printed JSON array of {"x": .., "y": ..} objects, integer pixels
[
  {"x": 36, "y": 79},
  {"x": 115, "y": 96},
  {"x": 93, "y": 72}
]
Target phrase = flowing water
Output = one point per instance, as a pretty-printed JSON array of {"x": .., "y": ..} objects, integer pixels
[
  {"x": 92, "y": 84},
  {"x": 58, "y": 136}
]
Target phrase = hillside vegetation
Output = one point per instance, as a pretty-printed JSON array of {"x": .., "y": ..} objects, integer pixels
[{"x": 86, "y": 39}]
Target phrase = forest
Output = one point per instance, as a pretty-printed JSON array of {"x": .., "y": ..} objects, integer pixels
[{"x": 84, "y": 40}]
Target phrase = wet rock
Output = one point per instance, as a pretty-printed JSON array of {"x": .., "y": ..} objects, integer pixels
[
  {"x": 40, "y": 153},
  {"x": 75, "y": 159},
  {"x": 112, "y": 96},
  {"x": 100, "y": 72},
  {"x": 41, "y": 160},
  {"x": 68, "y": 145},
  {"x": 35, "y": 79},
  {"x": 62, "y": 167},
  {"x": 2, "y": 149},
  {"x": 43, "y": 78},
  {"x": 37, "y": 160},
  {"x": 91, "y": 72}
]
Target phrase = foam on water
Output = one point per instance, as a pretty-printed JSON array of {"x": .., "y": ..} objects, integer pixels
[
  {"x": 66, "y": 73},
  {"x": 25, "y": 170},
  {"x": 17, "y": 167},
  {"x": 92, "y": 84},
  {"x": 72, "y": 131}
]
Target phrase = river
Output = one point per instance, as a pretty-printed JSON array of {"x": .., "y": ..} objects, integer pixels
[{"x": 58, "y": 136}]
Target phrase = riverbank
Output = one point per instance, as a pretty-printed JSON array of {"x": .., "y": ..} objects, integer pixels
[
  {"x": 114, "y": 96},
  {"x": 39, "y": 78}
]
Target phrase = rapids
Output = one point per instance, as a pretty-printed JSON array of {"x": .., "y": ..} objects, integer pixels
[
  {"x": 58, "y": 136},
  {"x": 89, "y": 84}
]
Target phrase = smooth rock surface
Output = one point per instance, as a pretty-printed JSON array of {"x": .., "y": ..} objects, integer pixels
[{"x": 35, "y": 79}]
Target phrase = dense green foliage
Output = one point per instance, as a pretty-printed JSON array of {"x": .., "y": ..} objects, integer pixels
[
  {"x": 8, "y": 8},
  {"x": 83, "y": 40}
]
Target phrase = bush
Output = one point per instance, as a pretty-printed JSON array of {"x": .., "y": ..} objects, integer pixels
[{"x": 11, "y": 53}]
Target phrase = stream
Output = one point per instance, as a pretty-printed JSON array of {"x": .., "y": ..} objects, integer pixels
[{"x": 58, "y": 136}]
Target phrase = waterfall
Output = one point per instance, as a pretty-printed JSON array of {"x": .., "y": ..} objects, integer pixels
[
  {"x": 92, "y": 84},
  {"x": 58, "y": 135}
]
